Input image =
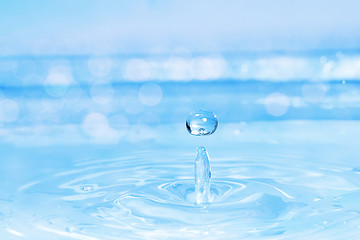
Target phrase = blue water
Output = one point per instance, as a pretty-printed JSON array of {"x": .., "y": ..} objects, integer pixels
[{"x": 114, "y": 160}]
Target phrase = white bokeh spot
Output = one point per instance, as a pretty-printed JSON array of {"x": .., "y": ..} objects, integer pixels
[
  {"x": 277, "y": 104},
  {"x": 58, "y": 81}
]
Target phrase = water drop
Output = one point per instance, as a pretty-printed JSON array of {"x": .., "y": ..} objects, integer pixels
[{"x": 201, "y": 123}]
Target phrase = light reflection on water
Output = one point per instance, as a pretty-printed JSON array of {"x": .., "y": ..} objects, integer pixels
[
  {"x": 129, "y": 114},
  {"x": 147, "y": 195}
]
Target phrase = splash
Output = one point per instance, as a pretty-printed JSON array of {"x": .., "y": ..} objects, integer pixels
[
  {"x": 202, "y": 177},
  {"x": 202, "y": 123}
]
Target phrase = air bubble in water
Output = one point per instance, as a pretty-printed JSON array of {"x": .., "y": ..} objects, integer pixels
[{"x": 201, "y": 123}]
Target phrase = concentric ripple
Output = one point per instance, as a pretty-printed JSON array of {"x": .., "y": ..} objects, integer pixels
[{"x": 146, "y": 196}]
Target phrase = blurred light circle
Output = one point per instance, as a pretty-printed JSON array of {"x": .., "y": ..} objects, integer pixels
[
  {"x": 100, "y": 67},
  {"x": 150, "y": 94},
  {"x": 314, "y": 92},
  {"x": 120, "y": 124},
  {"x": 9, "y": 110},
  {"x": 58, "y": 81},
  {"x": 95, "y": 125},
  {"x": 137, "y": 70},
  {"x": 277, "y": 104},
  {"x": 102, "y": 92}
]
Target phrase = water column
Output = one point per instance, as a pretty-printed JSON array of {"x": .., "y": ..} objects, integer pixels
[
  {"x": 202, "y": 123},
  {"x": 202, "y": 176}
]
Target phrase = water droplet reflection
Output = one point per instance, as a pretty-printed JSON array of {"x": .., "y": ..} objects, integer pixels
[{"x": 201, "y": 123}]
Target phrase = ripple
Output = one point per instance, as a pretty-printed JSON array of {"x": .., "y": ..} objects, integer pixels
[
  {"x": 230, "y": 201},
  {"x": 146, "y": 196}
]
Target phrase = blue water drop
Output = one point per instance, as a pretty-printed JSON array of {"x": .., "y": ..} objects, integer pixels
[{"x": 201, "y": 123}]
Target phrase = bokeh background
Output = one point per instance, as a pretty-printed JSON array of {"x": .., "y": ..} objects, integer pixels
[
  {"x": 110, "y": 71},
  {"x": 93, "y": 101}
]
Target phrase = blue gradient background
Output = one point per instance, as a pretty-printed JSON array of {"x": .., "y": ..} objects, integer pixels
[
  {"x": 87, "y": 27},
  {"x": 89, "y": 87}
]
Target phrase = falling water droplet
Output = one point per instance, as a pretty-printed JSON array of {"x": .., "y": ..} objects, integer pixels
[{"x": 201, "y": 123}]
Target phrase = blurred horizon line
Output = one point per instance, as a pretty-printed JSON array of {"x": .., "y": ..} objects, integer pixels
[
  {"x": 245, "y": 53},
  {"x": 181, "y": 66}
]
